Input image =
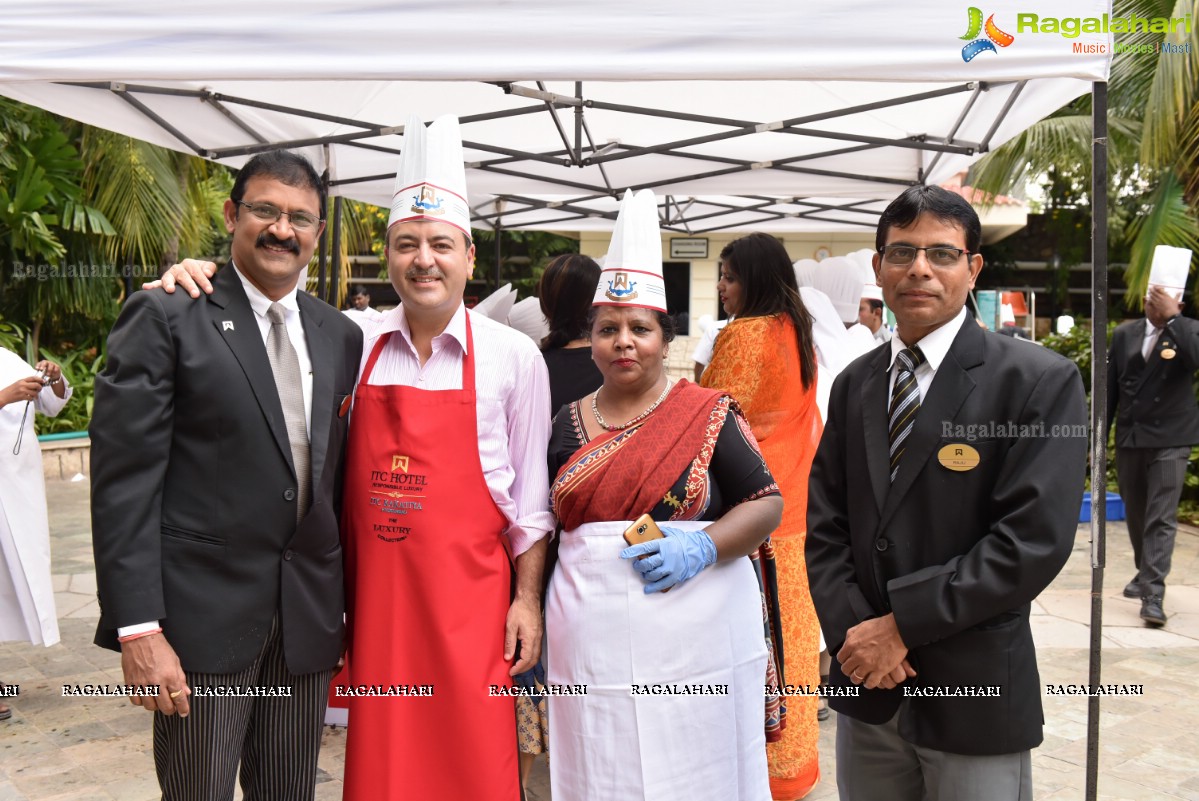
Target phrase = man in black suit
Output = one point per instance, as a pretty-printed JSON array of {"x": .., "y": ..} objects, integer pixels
[
  {"x": 1151, "y": 399},
  {"x": 217, "y": 447},
  {"x": 970, "y": 450}
]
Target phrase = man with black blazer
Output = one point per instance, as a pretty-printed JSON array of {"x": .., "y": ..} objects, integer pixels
[
  {"x": 969, "y": 450},
  {"x": 218, "y": 441},
  {"x": 1151, "y": 399}
]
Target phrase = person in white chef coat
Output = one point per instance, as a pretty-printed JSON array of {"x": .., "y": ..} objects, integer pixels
[{"x": 26, "y": 597}]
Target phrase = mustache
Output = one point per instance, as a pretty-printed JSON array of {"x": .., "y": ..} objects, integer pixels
[
  {"x": 267, "y": 239},
  {"x": 416, "y": 272}
]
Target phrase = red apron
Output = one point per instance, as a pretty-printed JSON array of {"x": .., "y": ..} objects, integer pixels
[{"x": 428, "y": 588}]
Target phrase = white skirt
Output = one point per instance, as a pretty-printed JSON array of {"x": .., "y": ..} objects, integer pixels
[{"x": 675, "y": 703}]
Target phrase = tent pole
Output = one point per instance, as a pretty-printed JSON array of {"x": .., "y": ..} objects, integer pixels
[
  {"x": 321, "y": 244},
  {"x": 1099, "y": 299},
  {"x": 499, "y": 230},
  {"x": 335, "y": 270}
]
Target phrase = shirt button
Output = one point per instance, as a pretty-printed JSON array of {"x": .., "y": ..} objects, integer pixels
[
  {"x": 881, "y": 545},
  {"x": 288, "y": 554},
  {"x": 289, "y": 494}
]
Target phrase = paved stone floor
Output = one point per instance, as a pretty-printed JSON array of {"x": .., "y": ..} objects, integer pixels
[{"x": 72, "y": 749}]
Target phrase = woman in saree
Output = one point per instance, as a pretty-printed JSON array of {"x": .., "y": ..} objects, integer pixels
[
  {"x": 667, "y": 635},
  {"x": 765, "y": 360}
]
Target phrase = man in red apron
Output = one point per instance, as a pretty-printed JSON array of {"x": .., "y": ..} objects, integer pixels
[{"x": 445, "y": 482}]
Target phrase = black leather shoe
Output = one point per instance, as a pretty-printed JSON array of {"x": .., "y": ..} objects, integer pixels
[
  {"x": 1132, "y": 589},
  {"x": 1151, "y": 610}
]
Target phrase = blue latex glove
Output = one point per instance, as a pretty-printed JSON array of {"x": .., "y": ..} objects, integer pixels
[{"x": 673, "y": 559}]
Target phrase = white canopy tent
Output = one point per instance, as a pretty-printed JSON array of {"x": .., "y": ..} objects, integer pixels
[
  {"x": 759, "y": 114},
  {"x": 764, "y": 116}
]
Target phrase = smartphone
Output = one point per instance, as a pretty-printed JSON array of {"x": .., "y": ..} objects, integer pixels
[{"x": 643, "y": 529}]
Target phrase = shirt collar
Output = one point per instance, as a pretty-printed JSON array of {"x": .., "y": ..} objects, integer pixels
[
  {"x": 935, "y": 344},
  {"x": 395, "y": 320},
  {"x": 260, "y": 302}
]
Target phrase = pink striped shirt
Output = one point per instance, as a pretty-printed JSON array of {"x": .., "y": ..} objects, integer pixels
[{"x": 512, "y": 407}]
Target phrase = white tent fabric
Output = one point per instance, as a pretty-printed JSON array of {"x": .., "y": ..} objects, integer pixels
[{"x": 783, "y": 117}]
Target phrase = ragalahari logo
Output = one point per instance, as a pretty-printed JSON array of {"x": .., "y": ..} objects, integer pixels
[{"x": 993, "y": 37}]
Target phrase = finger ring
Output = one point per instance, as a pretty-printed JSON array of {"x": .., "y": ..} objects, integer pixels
[
  {"x": 177, "y": 693},
  {"x": 856, "y": 676}
]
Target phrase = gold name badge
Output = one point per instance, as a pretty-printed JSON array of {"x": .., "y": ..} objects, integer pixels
[
  {"x": 1169, "y": 353},
  {"x": 958, "y": 456}
]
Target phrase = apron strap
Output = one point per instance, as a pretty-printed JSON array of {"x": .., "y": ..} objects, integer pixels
[
  {"x": 370, "y": 363},
  {"x": 468, "y": 362}
]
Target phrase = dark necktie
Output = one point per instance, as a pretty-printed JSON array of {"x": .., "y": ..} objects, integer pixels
[
  {"x": 905, "y": 402},
  {"x": 285, "y": 364}
]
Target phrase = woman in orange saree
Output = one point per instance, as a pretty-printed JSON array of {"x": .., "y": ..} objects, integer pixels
[{"x": 764, "y": 358}]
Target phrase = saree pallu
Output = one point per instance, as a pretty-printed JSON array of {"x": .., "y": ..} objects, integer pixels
[{"x": 756, "y": 360}]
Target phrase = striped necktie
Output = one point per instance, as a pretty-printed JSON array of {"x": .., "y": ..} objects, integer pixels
[{"x": 905, "y": 402}]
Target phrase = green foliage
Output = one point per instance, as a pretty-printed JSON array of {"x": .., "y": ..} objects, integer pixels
[
  {"x": 1153, "y": 145},
  {"x": 524, "y": 256},
  {"x": 11, "y": 337},
  {"x": 80, "y": 365}
]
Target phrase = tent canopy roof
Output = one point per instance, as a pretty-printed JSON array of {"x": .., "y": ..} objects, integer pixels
[{"x": 872, "y": 99}]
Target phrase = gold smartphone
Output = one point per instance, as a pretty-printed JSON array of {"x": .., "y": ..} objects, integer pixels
[{"x": 643, "y": 529}]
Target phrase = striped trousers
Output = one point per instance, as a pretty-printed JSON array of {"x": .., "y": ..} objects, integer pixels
[{"x": 275, "y": 738}]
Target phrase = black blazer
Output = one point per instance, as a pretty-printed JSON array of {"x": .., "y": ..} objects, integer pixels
[
  {"x": 956, "y": 556},
  {"x": 193, "y": 488},
  {"x": 1153, "y": 403}
]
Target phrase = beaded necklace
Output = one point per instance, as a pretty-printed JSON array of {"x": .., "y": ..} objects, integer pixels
[{"x": 600, "y": 419}]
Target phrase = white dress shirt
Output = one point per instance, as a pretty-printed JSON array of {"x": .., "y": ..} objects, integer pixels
[
  {"x": 512, "y": 407},
  {"x": 935, "y": 347},
  {"x": 295, "y": 332},
  {"x": 1151, "y": 336}
]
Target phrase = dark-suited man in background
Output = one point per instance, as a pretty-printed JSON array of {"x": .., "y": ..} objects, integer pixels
[
  {"x": 1151, "y": 399},
  {"x": 217, "y": 453},
  {"x": 923, "y": 590}
]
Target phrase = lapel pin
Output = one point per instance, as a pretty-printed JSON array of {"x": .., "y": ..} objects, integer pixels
[
  {"x": 226, "y": 325},
  {"x": 1168, "y": 353}
]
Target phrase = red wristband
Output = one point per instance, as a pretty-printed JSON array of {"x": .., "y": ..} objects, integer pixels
[{"x": 131, "y": 637}]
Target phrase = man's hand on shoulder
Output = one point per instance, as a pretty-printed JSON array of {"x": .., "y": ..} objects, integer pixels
[
  {"x": 191, "y": 275},
  {"x": 150, "y": 661}
]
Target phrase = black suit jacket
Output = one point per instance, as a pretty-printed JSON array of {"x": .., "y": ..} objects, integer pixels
[
  {"x": 1153, "y": 403},
  {"x": 956, "y": 556},
  {"x": 193, "y": 488}
]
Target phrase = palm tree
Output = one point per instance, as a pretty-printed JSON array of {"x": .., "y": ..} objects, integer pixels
[
  {"x": 79, "y": 204},
  {"x": 1153, "y": 135}
]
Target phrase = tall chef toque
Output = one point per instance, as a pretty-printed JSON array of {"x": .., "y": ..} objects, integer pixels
[
  {"x": 431, "y": 179},
  {"x": 632, "y": 271}
]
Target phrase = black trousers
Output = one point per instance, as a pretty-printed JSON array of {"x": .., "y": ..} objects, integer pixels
[
  {"x": 275, "y": 738},
  {"x": 1151, "y": 481}
]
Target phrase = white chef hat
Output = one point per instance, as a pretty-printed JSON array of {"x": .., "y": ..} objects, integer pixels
[
  {"x": 431, "y": 179},
  {"x": 839, "y": 278},
  {"x": 632, "y": 270}
]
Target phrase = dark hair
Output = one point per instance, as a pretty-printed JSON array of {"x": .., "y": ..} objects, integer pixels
[
  {"x": 665, "y": 321},
  {"x": 875, "y": 304},
  {"x": 359, "y": 289},
  {"x": 285, "y": 167},
  {"x": 566, "y": 290},
  {"x": 768, "y": 287},
  {"x": 949, "y": 207}
]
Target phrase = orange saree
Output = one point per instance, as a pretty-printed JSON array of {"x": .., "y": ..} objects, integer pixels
[{"x": 756, "y": 360}]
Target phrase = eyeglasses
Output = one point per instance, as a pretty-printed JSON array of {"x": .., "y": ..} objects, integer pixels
[
  {"x": 300, "y": 220},
  {"x": 903, "y": 255}
]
